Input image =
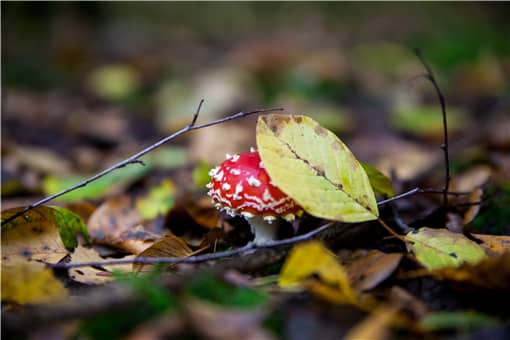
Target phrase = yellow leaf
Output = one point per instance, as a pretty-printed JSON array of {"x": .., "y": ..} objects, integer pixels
[
  {"x": 440, "y": 248},
  {"x": 313, "y": 258},
  {"x": 30, "y": 282},
  {"x": 88, "y": 275},
  {"x": 314, "y": 167},
  {"x": 158, "y": 201}
]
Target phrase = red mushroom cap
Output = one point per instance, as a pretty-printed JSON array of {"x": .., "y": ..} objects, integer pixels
[{"x": 241, "y": 185}]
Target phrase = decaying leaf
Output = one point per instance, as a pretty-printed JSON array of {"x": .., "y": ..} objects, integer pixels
[
  {"x": 494, "y": 244},
  {"x": 371, "y": 269},
  {"x": 314, "y": 167},
  {"x": 490, "y": 273},
  {"x": 35, "y": 236},
  {"x": 166, "y": 246},
  {"x": 463, "y": 320},
  {"x": 30, "y": 282},
  {"x": 313, "y": 259},
  {"x": 474, "y": 198},
  {"x": 379, "y": 181},
  {"x": 117, "y": 223},
  {"x": 440, "y": 248},
  {"x": 88, "y": 275}
]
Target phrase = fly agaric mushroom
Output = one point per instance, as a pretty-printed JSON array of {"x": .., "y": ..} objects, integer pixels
[{"x": 241, "y": 186}]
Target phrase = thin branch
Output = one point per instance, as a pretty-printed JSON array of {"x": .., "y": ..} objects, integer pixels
[
  {"x": 444, "y": 146},
  {"x": 135, "y": 158},
  {"x": 199, "y": 258}
]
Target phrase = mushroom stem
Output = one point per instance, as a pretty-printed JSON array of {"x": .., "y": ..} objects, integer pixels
[{"x": 264, "y": 231}]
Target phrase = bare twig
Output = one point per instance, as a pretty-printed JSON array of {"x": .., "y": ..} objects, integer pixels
[
  {"x": 444, "y": 146},
  {"x": 420, "y": 191},
  {"x": 199, "y": 258},
  {"x": 135, "y": 158}
]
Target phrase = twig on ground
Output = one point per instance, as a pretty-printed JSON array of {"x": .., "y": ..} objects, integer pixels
[
  {"x": 444, "y": 146},
  {"x": 135, "y": 158},
  {"x": 199, "y": 258}
]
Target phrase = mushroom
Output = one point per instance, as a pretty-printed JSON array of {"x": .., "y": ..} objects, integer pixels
[{"x": 241, "y": 186}]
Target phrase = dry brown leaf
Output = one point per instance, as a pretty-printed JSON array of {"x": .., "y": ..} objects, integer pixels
[
  {"x": 490, "y": 273},
  {"x": 166, "y": 246},
  {"x": 494, "y": 244},
  {"x": 88, "y": 275},
  {"x": 370, "y": 270},
  {"x": 34, "y": 236},
  {"x": 474, "y": 198},
  {"x": 473, "y": 178},
  {"x": 117, "y": 223}
]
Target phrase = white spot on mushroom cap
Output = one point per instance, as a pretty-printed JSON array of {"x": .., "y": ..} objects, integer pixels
[
  {"x": 218, "y": 176},
  {"x": 235, "y": 158},
  {"x": 226, "y": 186},
  {"x": 261, "y": 165},
  {"x": 254, "y": 182},
  {"x": 235, "y": 172},
  {"x": 213, "y": 171},
  {"x": 252, "y": 149},
  {"x": 228, "y": 156}
]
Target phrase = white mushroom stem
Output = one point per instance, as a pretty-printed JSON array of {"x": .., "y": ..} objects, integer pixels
[{"x": 265, "y": 231}]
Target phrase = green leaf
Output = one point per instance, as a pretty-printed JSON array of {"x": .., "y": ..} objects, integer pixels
[
  {"x": 379, "y": 182},
  {"x": 158, "y": 201},
  {"x": 425, "y": 120},
  {"x": 69, "y": 225},
  {"x": 95, "y": 189},
  {"x": 440, "y": 248},
  {"x": 312, "y": 165},
  {"x": 455, "y": 320},
  {"x": 201, "y": 174}
]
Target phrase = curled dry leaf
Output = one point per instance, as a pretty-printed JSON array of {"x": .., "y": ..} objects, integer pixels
[
  {"x": 440, "y": 248},
  {"x": 494, "y": 244},
  {"x": 166, "y": 246},
  {"x": 88, "y": 275},
  {"x": 474, "y": 178},
  {"x": 314, "y": 167},
  {"x": 370, "y": 270},
  {"x": 117, "y": 223}
]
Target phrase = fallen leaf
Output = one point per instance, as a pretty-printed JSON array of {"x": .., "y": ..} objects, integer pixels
[
  {"x": 475, "y": 197},
  {"x": 39, "y": 234},
  {"x": 167, "y": 246},
  {"x": 491, "y": 273},
  {"x": 117, "y": 223},
  {"x": 310, "y": 259},
  {"x": 158, "y": 201},
  {"x": 376, "y": 326},
  {"x": 373, "y": 268},
  {"x": 312, "y": 165},
  {"x": 440, "y": 248},
  {"x": 494, "y": 244},
  {"x": 30, "y": 283},
  {"x": 88, "y": 275},
  {"x": 379, "y": 181},
  {"x": 474, "y": 178},
  {"x": 462, "y": 320}
]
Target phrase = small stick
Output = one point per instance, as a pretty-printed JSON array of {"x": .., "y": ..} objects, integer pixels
[
  {"x": 135, "y": 158},
  {"x": 444, "y": 146},
  {"x": 420, "y": 191},
  {"x": 198, "y": 258}
]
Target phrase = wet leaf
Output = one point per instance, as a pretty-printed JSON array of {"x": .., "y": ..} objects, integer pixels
[
  {"x": 313, "y": 259},
  {"x": 37, "y": 234},
  {"x": 440, "y": 248},
  {"x": 158, "y": 201},
  {"x": 30, "y": 282},
  {"x": 379, "y": 181},
  {"x": 457, "y": 320},
  {"x": 310, "y": 164},
  {"x": 117, "y": 223},
  {"x": 166, "y": 246}
]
